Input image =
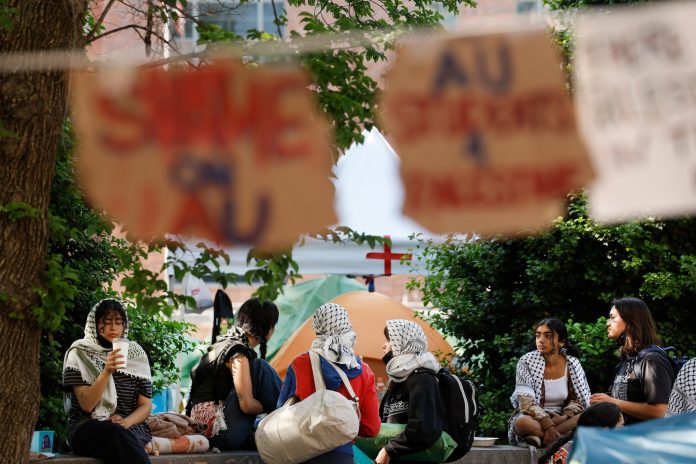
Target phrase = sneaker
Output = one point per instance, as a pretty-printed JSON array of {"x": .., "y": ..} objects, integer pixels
[{"x": 533, "y": 440}]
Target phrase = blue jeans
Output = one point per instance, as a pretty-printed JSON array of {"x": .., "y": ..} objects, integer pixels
[{"x": 265, "y": 384}]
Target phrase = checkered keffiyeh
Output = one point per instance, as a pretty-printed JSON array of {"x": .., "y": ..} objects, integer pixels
[
  {"x": 409, "y": 346},
  {"x": 335, "y": 336},
  {"x": 683, "y": 397},
  {"x": 530, "y": 377}
]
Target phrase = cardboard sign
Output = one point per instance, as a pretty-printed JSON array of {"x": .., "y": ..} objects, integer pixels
[
  {"x": 485, "y": 131},
  {"x": 228, "y": 152},
  {"x": 636, "y": 94}
]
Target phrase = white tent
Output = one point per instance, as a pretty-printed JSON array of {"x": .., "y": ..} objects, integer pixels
[{"x": 369, "y": 199}]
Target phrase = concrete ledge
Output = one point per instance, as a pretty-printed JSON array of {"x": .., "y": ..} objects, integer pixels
[
  {"x": 492, "y": 455},
  {"x": 504, "y": 454},
  {"x": 226, "y": 457}
]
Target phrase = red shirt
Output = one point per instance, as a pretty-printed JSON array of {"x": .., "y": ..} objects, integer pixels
[{"x": 363, "y": 386}]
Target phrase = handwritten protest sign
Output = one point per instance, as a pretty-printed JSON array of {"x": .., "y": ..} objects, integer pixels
[
  {"x": 486, "y": 132},
  {"x": 228, "y": 152},
  {"x": 636, "y": 94}
]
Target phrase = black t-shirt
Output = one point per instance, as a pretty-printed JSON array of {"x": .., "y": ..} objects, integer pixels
[{"x": 645, "y": 378}]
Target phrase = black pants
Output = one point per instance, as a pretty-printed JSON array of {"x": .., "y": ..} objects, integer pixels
[{"x": 108, "y": 441}]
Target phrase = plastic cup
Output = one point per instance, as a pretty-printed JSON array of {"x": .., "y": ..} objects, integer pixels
[{"x": 122, "y": 344}]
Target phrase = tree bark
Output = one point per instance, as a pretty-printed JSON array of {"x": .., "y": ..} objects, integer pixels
[{"x": 33, "y": 107}]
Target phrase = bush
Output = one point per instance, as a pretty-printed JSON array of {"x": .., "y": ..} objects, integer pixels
[{"x": 490, "y": 293}]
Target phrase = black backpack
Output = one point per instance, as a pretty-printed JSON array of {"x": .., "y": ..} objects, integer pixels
[
  {"x": 671, "y": 352},
  {"x": 462, "y": 407}
]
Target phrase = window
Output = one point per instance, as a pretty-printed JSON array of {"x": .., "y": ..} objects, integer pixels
[{"x": 231, "y": 16}]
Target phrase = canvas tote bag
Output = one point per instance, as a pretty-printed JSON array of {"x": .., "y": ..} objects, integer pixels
[{"x": 301, "y": 431}]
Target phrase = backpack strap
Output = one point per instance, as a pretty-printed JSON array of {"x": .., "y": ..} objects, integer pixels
[{"x": 316, "y": 372}]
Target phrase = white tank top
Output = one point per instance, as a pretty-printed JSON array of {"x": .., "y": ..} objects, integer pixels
[{"x": 556, "y": 393}]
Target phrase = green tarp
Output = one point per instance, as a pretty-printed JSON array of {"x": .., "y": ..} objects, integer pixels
[{"x": 298, "y": 303}]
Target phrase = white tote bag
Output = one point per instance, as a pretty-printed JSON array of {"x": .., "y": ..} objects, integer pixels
[{"x": 301, "y": 431}]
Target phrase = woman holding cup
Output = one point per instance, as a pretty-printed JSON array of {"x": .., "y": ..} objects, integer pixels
[{"x": 108, "y": 389}]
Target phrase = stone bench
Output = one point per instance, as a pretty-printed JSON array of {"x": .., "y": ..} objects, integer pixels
[{"x": 492, "y": 455}]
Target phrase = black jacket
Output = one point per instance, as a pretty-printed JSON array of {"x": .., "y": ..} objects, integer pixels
[{"x": 417, "y": 403}]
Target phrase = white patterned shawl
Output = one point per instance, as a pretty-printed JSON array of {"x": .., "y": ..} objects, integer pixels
[
  {"x": 335, "y": 336},
  {"x": 529, "y": 378},
  {"x": 409, "y": 346},
  {"x": 88, "y": 357},
  {"x": 682, "y": 400}
]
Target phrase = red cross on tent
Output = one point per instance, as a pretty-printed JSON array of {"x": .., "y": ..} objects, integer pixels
[{"x": 388, "y": 257}]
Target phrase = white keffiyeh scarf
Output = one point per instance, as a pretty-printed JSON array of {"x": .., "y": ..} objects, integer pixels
[
  {"x": 88, "y": 357},
  {"x": 530, "y": 377},
  {"x": 409, "y": 347},
  {"x": 335, "y": 336}
]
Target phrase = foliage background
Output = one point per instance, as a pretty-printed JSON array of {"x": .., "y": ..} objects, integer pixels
[
  {"x": 492, "y": 292},
  {"x": 85, "y": 259}
]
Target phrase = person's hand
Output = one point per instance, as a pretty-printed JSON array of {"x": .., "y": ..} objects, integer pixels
[
  {"x": 120, "y": 420},
  {"x": 601, "y": 398},
  {"x": 551, "y": 435},
  {"x": 382, "y": 457},
  {"x": 113, "y": 361},
  {"x": 557, "y": 418}
]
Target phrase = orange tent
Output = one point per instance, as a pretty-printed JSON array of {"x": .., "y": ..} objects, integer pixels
[{"x": 368, "y": 313}]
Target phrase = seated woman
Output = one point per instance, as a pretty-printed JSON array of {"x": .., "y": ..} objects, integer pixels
[
  {"x": 644, "y": 377},
  {"x": 230, "y": 386},
  {"x": 413, "y": 395},
  {"x": 682, "y": 400},
  {"x": 335, "y": 341},
  {"x": 107, "y": 403},
  {"x": 550, "y": 388},
  {"x": 605, "y": 415}
]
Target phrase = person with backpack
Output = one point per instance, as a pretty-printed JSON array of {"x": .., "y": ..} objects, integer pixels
[
  {"x": 231, "y": 386},
  {"x": 645, "y": 374},
  {"x": 413, "y": 394},
  {"x": 334, "y": 344},
  {"x": 551, "y": 389}
]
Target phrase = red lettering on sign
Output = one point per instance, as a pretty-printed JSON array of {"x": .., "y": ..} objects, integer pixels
[
  {"x": 130, "y": 131},
  {"x": 421, "y": 116},
  {"x": 488, "y": 187},
  {"x": 211, "y": 108}
]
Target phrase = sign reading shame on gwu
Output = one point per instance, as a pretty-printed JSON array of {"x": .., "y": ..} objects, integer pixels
[
  {"x": 227, "y": 152},
  {"x": 486, "y": 132},
  {"x": 636, "y": 102}
]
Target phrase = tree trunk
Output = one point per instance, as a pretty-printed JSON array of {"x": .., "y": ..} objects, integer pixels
[{"x": 33, "y": 107}]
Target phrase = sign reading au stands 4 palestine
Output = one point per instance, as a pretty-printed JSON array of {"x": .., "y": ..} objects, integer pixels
[
  {"x": 227, "y": 152},
  {"x": 636, "y": 102},
  {"x": 486, "y": 132}
]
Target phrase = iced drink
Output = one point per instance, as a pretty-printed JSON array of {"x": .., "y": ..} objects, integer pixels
[{"x": 122, "y": 344}]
